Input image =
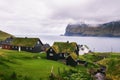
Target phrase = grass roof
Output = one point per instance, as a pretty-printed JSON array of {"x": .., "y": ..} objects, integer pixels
[
  {"x": 4, "y": 35},
  {"x": 64, "y": 47},
  {"x": 27, "y": 42},
  {"x": 73, "y": 55}
]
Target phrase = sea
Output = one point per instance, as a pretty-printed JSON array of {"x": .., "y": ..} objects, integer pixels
[{"x": 96, "y": 44}]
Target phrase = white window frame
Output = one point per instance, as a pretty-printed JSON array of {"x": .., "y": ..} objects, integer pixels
[{"x": 50, "y": 54}]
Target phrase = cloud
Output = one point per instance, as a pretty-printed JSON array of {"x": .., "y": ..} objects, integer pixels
[
  {"x": 52, "y": 16},
  {"x": 99, "y": 11}
]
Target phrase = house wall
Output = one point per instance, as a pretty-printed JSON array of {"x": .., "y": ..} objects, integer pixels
[
  {"x": 14, "y": 47},
  {"x": 70, "y": 61},
  {"x": 83, "y": 50},
  {"x": 51, "y": 54},
  {"x": 5, "y": 46},
  {"x": 61, "y": 55},
  {"x": 37, "y": 49},
  {"x": 28, "y": 49}
]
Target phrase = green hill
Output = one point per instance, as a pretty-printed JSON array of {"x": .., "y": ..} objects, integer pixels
[
  {"x": 4, "y": 35},
  {"x": 27, "y": 65}
]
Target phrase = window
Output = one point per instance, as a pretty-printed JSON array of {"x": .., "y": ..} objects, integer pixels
[
  {"x": 60, "y": 55},
  {"x": 38, "y": 42},
  {"x": 26, "y": 48},
  {"x": 82, "y": 49},
  {"x": 5, "y": 46},
  {"x": 51, "y": 54},
  {"x": 30, "y": 48},
  {"x": 50, "y": 49},
  {"x": 16, "y": 47},
  {"x": 64, "y": 55}
]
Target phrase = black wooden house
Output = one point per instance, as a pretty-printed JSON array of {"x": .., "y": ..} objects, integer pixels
[
  {"x": 27, "y": 44},
  {"x": 23, "y": 44},
  {"x": 63, "y": 50}
]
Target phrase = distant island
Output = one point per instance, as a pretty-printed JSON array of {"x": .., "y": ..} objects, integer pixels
[{"x": 110, "y": 29}]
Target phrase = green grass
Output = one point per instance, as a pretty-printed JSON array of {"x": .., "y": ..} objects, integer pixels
[
  {"x": 4, "y": 35},
  {"x": 113, "y": 66},
  {"x": 34, "y": 65},
  {"x": 110, "y": 60}
]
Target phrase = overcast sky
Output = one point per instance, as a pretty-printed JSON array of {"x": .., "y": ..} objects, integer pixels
[{"x": 20, "y": 17}]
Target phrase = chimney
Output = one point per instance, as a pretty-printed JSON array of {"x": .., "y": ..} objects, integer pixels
[{"x": 67, "y": 41}]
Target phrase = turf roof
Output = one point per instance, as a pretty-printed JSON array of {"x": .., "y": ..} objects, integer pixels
[
  {"x": 64, "y": 47},
  {"x": 27, "y": 42},
  {"x": 73, "y": 55}
]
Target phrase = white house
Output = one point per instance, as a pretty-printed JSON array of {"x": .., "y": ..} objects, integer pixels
[{"x": 83, "y": 49}]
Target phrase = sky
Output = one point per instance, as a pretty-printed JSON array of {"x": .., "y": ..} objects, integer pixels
[{"x": 20, "y": 17}]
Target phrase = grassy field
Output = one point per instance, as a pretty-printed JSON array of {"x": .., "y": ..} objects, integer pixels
[{"x": 33, "y": 65}]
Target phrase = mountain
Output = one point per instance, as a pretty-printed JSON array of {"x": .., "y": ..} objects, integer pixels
[
  {"x": 110, "y": 29},
  {"x": 4, "y": 35}
]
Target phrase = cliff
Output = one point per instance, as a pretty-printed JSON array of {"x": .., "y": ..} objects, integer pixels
[{"x": 111, "y": 29}]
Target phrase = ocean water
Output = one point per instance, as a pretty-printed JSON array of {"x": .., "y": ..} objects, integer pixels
[{"x": 97, "y": 44}]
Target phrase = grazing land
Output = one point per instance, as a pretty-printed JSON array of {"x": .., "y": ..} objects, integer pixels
[{"x": 22, "y": 65}]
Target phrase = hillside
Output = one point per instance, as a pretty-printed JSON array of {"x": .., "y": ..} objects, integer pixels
[
  {"x": 111, "y": 29},
  {"x": 22, "y": 65},
  {"x": 4, "y": 35},
  {"x": 27, "y": 66},
  {"x": 110, "y": 60}
]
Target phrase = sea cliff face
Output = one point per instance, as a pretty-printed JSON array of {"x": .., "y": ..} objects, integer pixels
[{"x": 111, "y": 29}]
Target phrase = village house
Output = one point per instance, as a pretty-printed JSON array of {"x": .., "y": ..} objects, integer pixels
[
  {"x": 83, "y": 49},
  {"x": 27, "y": 44},
  {"x": 23, "y": 44},
  {"x": 64, "y": 50},
  {"x": 6, "y": 44}
]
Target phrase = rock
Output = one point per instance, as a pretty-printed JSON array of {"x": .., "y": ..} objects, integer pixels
[{"x": 111, "y": 29}]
